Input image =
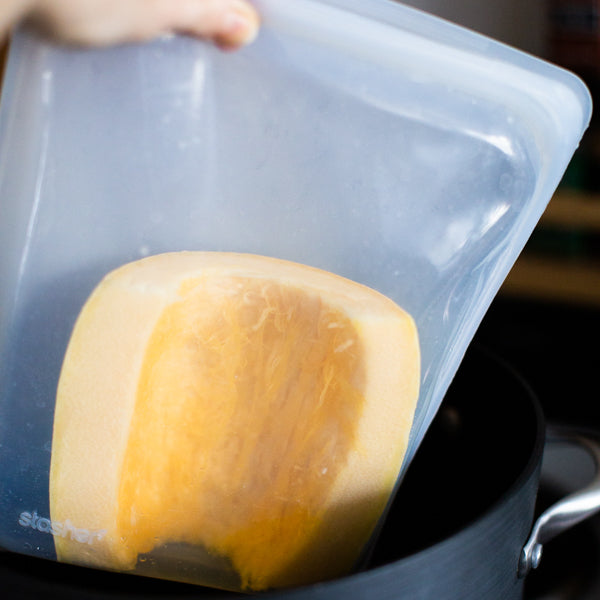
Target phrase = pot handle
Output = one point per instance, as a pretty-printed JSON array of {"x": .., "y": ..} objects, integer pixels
[{"x": 570, "y": 510}]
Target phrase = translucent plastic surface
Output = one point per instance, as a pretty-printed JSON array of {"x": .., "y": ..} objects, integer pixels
[{"x": 364, "y": 138}]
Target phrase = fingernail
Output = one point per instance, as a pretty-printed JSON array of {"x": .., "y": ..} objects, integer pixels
[{"x": 240, "y": 27}]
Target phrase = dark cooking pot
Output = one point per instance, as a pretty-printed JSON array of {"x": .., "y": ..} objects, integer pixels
[{"x": 459, "y": 528}]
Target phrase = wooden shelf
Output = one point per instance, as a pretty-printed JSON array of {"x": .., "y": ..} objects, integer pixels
[
  {"x": 573, "y": 210},
  {"x": 574, "y": 280},
  {"x": 543, "y": 278}
]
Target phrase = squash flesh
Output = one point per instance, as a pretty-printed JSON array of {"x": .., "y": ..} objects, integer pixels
[{"x": 266, "y": 382}]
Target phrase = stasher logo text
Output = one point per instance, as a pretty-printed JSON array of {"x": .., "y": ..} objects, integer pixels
[{"x": 56, "y": 528}]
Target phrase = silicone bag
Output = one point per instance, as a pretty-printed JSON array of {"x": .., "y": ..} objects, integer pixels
[{"x": 364, "y": 138}]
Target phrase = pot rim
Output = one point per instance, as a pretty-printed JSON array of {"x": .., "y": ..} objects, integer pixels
[{"x": 529, "y": 470}]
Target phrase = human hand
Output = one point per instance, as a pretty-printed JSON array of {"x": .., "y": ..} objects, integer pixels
[{"x": 228, "y": 23}]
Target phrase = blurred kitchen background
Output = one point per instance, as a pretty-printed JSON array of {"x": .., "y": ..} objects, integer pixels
[{"x": 546, "y": 319}]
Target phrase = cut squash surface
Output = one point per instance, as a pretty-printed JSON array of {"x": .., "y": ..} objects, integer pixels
[{"x": 254, "y": 407}]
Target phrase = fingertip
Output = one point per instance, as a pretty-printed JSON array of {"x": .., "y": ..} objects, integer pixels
[{"x": 240, "y": 26}]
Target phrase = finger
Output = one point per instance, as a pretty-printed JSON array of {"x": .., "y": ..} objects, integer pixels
[{"x": 230, "y": 23}]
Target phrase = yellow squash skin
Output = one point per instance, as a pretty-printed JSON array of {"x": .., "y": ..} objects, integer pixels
[{"x": 254, "y": 407}]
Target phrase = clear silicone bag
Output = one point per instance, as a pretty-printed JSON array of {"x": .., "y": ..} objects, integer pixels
[{"x": 364, "y": 138}]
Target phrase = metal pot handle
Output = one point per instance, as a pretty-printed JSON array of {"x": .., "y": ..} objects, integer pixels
[{"x": 570, "y": 510}]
